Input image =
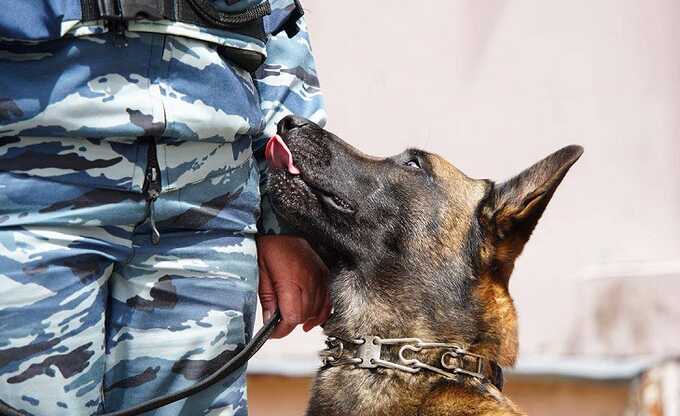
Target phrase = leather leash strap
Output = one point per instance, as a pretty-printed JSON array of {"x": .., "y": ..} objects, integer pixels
[{"x": 238, "y": 361}]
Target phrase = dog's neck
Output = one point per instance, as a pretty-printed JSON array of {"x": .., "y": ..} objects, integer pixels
[
  {"x": 361, "y": 308},
  {"x": 408, "y": 308},
  {"x": 413, "y": 300},
  {"x": 359, "y": 311}
]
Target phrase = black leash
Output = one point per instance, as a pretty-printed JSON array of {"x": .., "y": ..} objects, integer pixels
[{"x": 229, "y": 367}]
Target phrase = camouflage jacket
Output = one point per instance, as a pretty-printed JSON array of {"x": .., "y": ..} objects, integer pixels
[{"x": 73, "y": 100}]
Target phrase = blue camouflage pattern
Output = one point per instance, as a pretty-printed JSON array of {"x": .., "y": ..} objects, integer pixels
[{"x": 94, "y": 317}]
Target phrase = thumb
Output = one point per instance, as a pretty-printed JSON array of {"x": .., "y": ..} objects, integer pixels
[{"x": 267, "y": 294}]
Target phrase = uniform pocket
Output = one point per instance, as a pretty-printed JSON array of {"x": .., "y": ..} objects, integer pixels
[{"x": 95, "y": 163}]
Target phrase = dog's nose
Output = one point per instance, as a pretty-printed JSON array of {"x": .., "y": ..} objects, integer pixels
[{"x": 289, "y": 123}]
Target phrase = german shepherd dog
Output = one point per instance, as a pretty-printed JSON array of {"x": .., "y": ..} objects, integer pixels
[{"x": 416, "y": 250}]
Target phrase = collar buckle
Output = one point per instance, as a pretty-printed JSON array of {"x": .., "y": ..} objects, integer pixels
[
  {"x": 369, "y": 352},
  {"x": 456, "y": 360}
]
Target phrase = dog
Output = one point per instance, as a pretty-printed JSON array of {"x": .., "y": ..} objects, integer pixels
[{"x": 420, "y": 258}]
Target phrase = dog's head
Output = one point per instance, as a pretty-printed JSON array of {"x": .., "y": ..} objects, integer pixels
[{"x": 413, "y": 241}]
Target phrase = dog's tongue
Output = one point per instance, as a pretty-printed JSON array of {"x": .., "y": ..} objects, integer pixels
[{"x": 278, "y": 155}]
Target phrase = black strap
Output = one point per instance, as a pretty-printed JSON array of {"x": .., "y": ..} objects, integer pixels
[
  {"x": 291, "y": 26},
  {"x": 238, "y": 361},
  {"x": 196, "y": 12},
  {"x": 496, "y": 377},
  {"x": 201, "y": 13}
]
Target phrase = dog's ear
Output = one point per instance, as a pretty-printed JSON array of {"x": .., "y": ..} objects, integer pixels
[{"x": 513, "y": 208}]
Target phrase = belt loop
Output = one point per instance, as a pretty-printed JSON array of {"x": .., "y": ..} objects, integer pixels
[
  {"x": 143, "y": 9},
  {"x": 108, "y": 8},
  {"x": 133, "y": 9}
]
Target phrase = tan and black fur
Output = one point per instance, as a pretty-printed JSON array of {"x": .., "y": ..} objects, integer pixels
[{"x": 416, "y": 249}]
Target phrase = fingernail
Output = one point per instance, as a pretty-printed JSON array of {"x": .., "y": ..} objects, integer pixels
[{"x": 266, "y": 316}]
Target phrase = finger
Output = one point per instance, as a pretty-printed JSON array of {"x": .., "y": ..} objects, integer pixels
[
  {"x": 313, "y": 319},
  {"x": 322, "y": 316},
  {"x": 291, "y": 310},
  {"x": 306, "y": 300},
  {"x": 310, "y": 324},
  {"x": 267, "y": 294},
  {"x": 319, "y": 300}
]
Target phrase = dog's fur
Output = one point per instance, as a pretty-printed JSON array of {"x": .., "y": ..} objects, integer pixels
[{"x": 413, "y": 251}]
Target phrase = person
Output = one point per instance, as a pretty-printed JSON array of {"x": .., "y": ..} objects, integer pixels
[{"x": 130, "y": 219}]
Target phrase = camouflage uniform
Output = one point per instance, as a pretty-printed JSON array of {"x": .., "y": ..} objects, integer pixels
[{"x": 93, "y": 316}]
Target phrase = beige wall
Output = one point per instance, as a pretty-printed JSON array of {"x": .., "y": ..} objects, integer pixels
[{"x": 495, "y": 85}]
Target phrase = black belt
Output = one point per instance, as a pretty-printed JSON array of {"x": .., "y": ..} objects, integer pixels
[
  {"x": 196, "y": 12},
  {"x": 201, "y": 13},
  {"x": 238, "y": 361}
]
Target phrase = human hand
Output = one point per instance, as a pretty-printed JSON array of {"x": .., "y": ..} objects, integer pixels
[{"x": 292, "y": 277}]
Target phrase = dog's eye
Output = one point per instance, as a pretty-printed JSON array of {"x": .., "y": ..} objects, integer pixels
[{"x": 413, "y": 163}]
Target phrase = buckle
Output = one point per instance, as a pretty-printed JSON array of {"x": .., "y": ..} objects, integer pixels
[
  {"x": 132, "y": 9},
  {"x": 143, "y": 9},
  {"x": 459, "y": 356},
  {"x": 369, "y": 352},
  {"x": 330, "y": 357}
]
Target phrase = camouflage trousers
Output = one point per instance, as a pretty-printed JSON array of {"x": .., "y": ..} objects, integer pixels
[{"x": 95, "y": 318}]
